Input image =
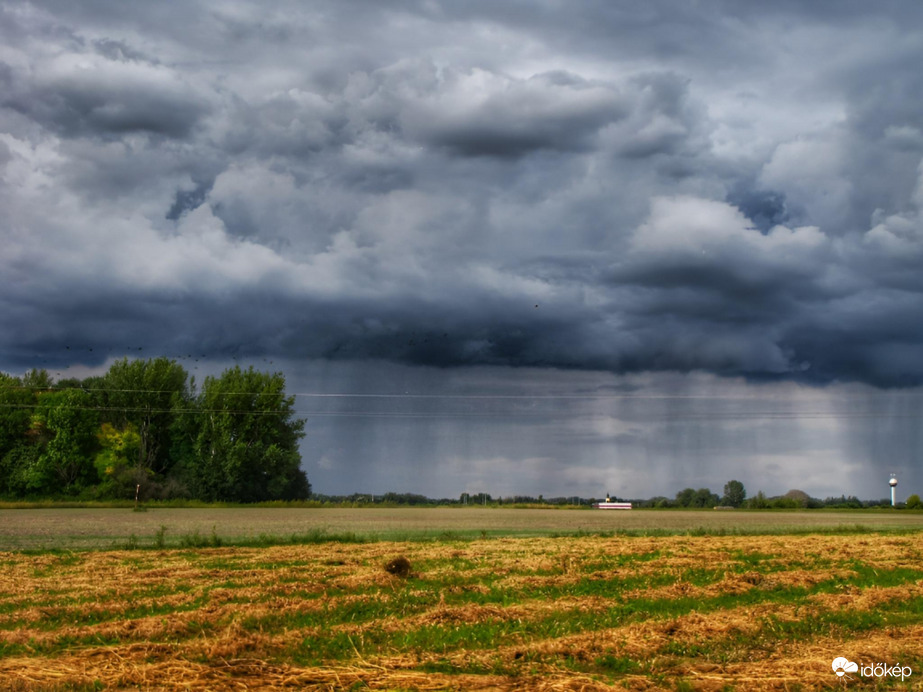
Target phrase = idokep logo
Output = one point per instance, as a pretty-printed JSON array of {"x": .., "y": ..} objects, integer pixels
[{"x": 842, "y": 666}]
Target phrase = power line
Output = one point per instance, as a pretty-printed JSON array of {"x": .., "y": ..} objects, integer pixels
[
  {"x": 709, "y": 416},
  {"x": 404, "y": 395},
  {"x": 71, "y": 407}
]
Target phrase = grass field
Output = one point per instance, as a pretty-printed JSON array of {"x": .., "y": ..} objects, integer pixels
[
  {"x": 106, "y": 528},
  {"x": 586, "y": 613},
  {"x": 572, "y": 612}
]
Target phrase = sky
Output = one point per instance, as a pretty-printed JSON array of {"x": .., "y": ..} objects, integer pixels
[{"x": 551, "y": 247}]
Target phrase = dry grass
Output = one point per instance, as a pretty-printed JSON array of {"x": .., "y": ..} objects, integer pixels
[{"x": 705, "y": 613}]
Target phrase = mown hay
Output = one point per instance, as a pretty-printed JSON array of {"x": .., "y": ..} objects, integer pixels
[
  {"x": 542, "y": 614},
  {"x": 399, "y": 567}
]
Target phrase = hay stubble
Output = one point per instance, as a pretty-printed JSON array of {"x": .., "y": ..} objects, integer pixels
[{"x": 515, "y": 613}]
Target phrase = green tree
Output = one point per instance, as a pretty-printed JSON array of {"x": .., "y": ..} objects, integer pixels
[
  {"x": 758, "y": 501},
  {"x": 37, "y": 380},
  {"x": 17, "y": 469},
  {"x": 246, "y": 445},
  {"x": 144, "y": 394},
  {"x": 116, "y": 461},
  {"x": 64, "y": 426},
  {"x": 16, "y": 406},
  {"x": 685, "y": 497},
  {"x": 734, "y": 494},
  {"x": 705, "y": 498},
  {"x": 18, "y": 398},
  {"x": 914, "y": 502}
]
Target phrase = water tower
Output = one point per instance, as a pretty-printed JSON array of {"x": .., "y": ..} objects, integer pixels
[{"x": 893, "y": 484}]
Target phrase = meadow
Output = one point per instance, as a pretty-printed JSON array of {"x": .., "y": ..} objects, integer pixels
[
  {"x": 57, "y": 528},
  {"x": 764, "y": 610}
]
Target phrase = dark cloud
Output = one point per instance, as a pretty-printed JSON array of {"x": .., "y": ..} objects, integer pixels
[
  {"x": 87, "y": 95},
  {"x": 720, "y": 186},
  {"x": 485, "y": 114}
]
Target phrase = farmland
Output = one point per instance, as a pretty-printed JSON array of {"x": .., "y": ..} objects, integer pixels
[
  {"x": 565, "y": 612},
  {"x": 106, "y": 528}
]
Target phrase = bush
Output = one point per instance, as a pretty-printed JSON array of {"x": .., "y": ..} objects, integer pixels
[{"x": 758, "y": 501}]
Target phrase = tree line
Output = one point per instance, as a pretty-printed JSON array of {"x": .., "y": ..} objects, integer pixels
[
  {"x": 735, "y": 495},
  {"x": 145, "y": 427}
]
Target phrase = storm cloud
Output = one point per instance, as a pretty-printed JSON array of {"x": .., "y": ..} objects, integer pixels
[
  {"x": 456, "y": 185},
  {"x": 735, "y": 189},
  {"x": 718, "y": 191}
]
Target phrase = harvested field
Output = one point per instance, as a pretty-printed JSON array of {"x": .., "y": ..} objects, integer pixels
[
  {"x": 540, "y": 613},
  {"x": 107, "y": 528}
]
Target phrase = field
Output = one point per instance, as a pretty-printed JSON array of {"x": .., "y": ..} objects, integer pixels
[
  {"x": 543, "y": 612},
  {"x": 106, "y": 528}
]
